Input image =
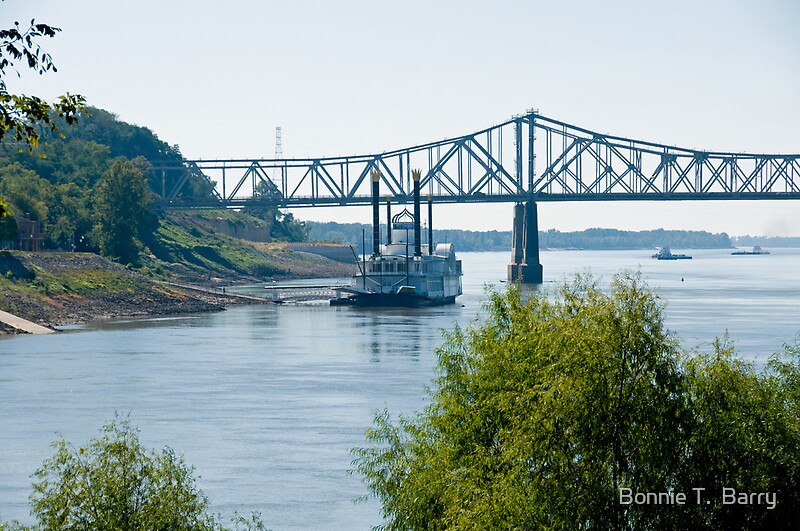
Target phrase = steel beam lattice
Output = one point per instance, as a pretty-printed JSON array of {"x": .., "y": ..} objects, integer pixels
[{"x": 497, "y": 164}]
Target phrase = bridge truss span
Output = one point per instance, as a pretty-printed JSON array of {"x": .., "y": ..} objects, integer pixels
[
  {"x": 529, "y": 157},
  {"x": 584, "y": 164}
]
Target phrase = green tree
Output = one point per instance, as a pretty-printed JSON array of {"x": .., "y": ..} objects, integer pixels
[
  {"x": 122, "y": 202},
  {"x": 283, "y": 226},
  {"x": 543, "y": 412},
  {"x": 286, "y": 228},
  {"x": 8, "y": 225},
  {"x": 70, "y": 220},
  {"x": 27, "y": 194},
  {"x": 744, "y": 434},
  {"x": 21, "y": 114},
  {"x": 266, "y": 197},
  {"x": 116, "y": 484}
]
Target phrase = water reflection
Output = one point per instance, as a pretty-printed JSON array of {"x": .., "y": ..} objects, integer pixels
[{"x": 134, "y": 323}]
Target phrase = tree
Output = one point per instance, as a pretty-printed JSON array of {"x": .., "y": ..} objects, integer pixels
[
  {"x": 27, "y": 194},
  {"x": 286, "y": 228},
  {"x": 545, "y": 411},
  {"x": 266, "y": 198},
  {"x": 122, "y": 205},
  {"x": 8, "y": 225},
  {"x": 744, "y": 434},
  {"x": 283, "y": 227},
  {"x": 114, "y": 483},
  {"x": 20, "y": 113}
]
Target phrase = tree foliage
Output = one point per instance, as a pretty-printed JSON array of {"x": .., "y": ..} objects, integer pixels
[
  {"x": 283, "y": 226},
  {"x": 68, "y": 170},
  {"x": 122, "y": 206},
  {"x": 547, "y": 409},
  {"x": 114, "y": 483},
  {"x": 29, "y": 194},
  {"x": 8, "y": 225},
  {"x": 22, "y": 114},
  {"x": 744, "y": 433}
]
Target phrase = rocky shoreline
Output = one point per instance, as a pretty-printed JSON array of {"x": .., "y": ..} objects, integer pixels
[{"x": 56, "y": 289}]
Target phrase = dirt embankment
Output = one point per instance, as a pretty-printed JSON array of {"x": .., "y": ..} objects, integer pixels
[{"x": 63, "y": 288}]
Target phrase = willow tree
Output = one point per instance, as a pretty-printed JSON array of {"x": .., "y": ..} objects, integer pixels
[{"x": 545, "y": 410}]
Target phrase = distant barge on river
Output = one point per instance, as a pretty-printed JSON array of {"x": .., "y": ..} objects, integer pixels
[
  {"x": 756, "y": 250},
  {"x": 665, "y": 254}
]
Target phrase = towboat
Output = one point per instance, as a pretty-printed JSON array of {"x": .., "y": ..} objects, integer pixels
[
  {"x": 404, "y": 271},
  {"x": 665, "y": 254}
]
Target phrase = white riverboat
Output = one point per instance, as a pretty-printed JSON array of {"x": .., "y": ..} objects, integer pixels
[{"x": 404, "y": 271}]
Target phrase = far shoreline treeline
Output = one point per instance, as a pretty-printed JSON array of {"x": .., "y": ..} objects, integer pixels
[{"x": 589, "y": 239}]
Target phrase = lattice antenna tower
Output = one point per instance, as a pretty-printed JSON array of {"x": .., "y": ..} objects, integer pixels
[{"x": 278, "y": 143}]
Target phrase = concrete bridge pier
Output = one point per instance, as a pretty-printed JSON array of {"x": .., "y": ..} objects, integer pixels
[{"x": 525, "y": 266}]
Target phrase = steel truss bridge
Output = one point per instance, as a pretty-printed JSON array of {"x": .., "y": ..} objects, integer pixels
[{"x": 527, "y": 158}]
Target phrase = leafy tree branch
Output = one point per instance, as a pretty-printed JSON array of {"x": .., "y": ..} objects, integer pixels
[{"x": 22, "y": 115}]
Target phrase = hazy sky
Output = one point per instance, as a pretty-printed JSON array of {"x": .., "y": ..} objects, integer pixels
[{"x": 348, "y": 77}]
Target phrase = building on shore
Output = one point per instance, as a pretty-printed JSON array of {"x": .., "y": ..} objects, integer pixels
[{"x": 30, "y": 235}]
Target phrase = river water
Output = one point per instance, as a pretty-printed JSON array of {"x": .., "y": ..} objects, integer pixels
[{"x": 266, "y": 401}]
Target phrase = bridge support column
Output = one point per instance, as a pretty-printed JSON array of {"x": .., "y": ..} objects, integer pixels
[
  {"x": 525, "y": 266},
  {"x": 517, "y": 236}
]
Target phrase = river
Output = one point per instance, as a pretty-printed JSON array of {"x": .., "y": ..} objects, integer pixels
[{"x": 266, "y": 401}]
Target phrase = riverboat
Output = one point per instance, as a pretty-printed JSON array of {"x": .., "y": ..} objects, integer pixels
[{"x": 404, "y": 271}]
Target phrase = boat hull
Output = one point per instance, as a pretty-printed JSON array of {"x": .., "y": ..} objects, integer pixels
[{"x": 389, "y": 300}]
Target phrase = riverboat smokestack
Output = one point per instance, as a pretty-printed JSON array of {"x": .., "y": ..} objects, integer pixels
[
  {"x": 430, "y": 223},
  {"x": 388, "y": 220},
  {"x": 417, "y": 227},
  {"x": 376, "y": 227}
]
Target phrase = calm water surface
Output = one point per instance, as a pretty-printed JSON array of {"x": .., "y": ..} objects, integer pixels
[{"x": 266, "y": 401}]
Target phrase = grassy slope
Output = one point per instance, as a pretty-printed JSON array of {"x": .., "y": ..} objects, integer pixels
[
  {"x": 191, "y": 246},
  {"x": 89, "y": 275}
]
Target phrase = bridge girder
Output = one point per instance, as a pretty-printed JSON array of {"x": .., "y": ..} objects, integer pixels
[{"x": 579, "y": 165}]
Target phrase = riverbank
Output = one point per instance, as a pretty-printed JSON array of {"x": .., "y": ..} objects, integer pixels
[{"x": 54, "y": 289}]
